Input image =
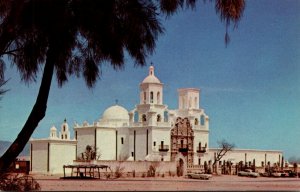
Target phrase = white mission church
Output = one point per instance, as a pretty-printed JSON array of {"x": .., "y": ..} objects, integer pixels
[{"x": 149, "y": 132}]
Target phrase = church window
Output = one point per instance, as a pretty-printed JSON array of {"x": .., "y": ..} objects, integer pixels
[
  {"x": 145, "y": 96},
  {"x": 62, "y": 136},
  {"x": 154, "y": 143},
  {"x": 122, "y": 140},
  {"x": 136, "y": 116},
  {"x": 144, "y": 118},
  {"x": 158, "y": 118},
  {"x": 196, "y": 121},
  {"x": 158, "y": 97},
  {"x": 202, "y": 119},
  {"x": 166, "y": 116},
  {"x": 64, "y": 128},
  {"x": 151, "y": 97},
  {"x": 181, "y": 143},
  {"x": 65, "y": 136},
  {"x": 190, "y": 102},
  {"x": 76, "y": 135},
  {"x": 132, "y": 153},
  {"x": 199, "y": 161},
  {"x": 195, "y": 102}
]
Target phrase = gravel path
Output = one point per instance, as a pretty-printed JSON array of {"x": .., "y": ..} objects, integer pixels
[{"x": 220, "y": 183}]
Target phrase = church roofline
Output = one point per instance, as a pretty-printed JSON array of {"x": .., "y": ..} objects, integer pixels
[
  {"x": 249, "y": 150},
  {"x": 56, "y": 140},
  {"x": 188, "y": 89}
]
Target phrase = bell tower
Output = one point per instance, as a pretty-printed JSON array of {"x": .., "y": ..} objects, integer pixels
[
  {"x": 64, "y": 131},
  {"x": 151, "y": 89}
]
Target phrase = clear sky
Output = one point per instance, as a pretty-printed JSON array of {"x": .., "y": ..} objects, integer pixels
[{"x": 250, "y": 90}]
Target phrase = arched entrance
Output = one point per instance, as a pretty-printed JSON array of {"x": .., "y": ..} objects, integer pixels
[{"x": 180, "y": 167}]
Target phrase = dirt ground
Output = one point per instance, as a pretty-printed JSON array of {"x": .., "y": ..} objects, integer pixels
[{"x": 220, "y": 183}]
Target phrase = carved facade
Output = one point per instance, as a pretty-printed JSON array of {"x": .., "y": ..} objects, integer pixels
[{"x": 182, "y": 140}]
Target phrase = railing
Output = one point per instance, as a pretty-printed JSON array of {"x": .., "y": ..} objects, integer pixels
[
  {"x": 183, "y": 148},
  {"x": 164, "y": 148},
  {"x": 201, "y": 149}
]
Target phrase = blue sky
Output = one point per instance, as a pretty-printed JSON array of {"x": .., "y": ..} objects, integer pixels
[{"x": 250, "y": 89}]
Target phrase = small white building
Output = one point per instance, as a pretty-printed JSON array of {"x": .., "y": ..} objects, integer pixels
[
  {"x": 48, "y": 155},
  {"x": 149, "y": 132}
]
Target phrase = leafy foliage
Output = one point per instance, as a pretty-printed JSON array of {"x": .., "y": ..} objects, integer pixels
[
  {"x": 90, "y": 153},
  {"x": 86, "y": 33}
]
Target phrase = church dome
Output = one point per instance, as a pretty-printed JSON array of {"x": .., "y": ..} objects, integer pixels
[
  {"x": 53, "y": 128},
  {"x": 115, "y": 112},
  {"x": 151, "y": 78}
]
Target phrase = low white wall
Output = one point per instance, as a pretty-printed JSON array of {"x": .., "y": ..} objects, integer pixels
[{"x": 136, "y": 166}]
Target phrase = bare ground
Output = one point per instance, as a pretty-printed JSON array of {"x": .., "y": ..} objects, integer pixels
[{"x": 219, "y": 183}]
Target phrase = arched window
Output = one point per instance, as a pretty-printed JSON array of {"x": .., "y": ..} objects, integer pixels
[
  {"x": 195, "y": 102},
  {"x": 158, "y": 97},
  {"x": 144, "y": 118},
  {"x": 151, "y": 97},
  {"x": 190, "y": 102},
  {"x": 196, "y": 121},
  {"x": 122, "y": 140},
  {"x": 166, "y": 116},
  {"x": 64, "y": 128},
  {"x": 202, "y": 120},
  {"x": 136, "y": 116},
  {"x": 66, "y": 136},
  {"x": 158, "y": 118},
  {"x": 145, "y": 97}
]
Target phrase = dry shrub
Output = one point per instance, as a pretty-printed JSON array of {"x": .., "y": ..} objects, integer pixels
[
  {"x": 9, "y": 182},
  {"x": 119, "y": 171}
]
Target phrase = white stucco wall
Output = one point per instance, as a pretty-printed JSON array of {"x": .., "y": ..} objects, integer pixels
[
  {"x": 39, "y": 154},
  {"x": 61, "y": 154},
  {"x": 238, "y": 155},
  {"x": 85, "y": 136},
  {"x": 123, "y": 149},
  {"x": 141, "y": 144},
  {"x": 106, "y": 143}
]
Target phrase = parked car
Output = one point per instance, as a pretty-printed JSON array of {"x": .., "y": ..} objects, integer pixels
[
  {"x": 276, "y": 174},
  {"x": 290, "y": 173},
  {"x": 202, "y": 176},
  {"x": 265, "y": 174},
  {"x": 248, "y": 173}
]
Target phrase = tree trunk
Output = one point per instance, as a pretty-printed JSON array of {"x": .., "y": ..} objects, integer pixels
[{"x": 37, "y": 114}]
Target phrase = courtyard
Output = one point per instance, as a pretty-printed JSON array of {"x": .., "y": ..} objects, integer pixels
[{"x": 219, "y": 183}]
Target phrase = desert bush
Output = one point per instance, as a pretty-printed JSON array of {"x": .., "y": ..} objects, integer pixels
[
  {"x": 119, "y": 171},
  {"x": 9, "y": 182},
  {"x": 151, "y": 171},
  {"x": 163, "y": 175},
  {"x": 90, "y": 153}
]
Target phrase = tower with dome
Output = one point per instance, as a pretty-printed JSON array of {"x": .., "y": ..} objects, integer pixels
[{"x": 148, "y": 132}]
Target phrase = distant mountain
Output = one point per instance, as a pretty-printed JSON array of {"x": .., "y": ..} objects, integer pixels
[{"x": 5, "y": 144}]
